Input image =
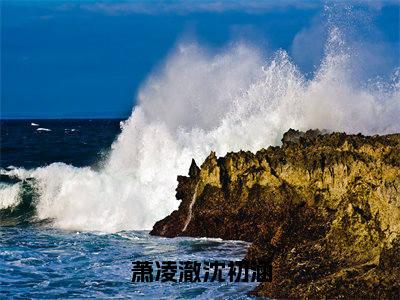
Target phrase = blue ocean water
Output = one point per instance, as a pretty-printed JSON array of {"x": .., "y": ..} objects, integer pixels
[
  {"x": 40, "y": 261},
  {"x": 26, "y": 143}
]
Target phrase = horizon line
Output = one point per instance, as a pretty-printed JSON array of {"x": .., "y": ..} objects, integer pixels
[{"x": 62, "y": 118}]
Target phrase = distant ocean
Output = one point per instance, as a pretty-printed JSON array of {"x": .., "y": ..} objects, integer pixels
[
  {"x": 37, "y": 143},
  {"x": 38, "y": 260}
]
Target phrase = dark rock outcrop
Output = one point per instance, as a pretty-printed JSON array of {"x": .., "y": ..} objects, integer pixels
[{"x": 324, "y": 207}]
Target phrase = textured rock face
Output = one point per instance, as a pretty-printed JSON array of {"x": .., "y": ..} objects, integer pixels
[{"x": 324, "y": 207}]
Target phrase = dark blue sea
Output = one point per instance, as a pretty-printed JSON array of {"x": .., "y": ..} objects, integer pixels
[{"x": 39, "y": 260}]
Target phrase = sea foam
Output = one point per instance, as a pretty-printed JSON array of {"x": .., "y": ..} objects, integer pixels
[{"x": 198, "y": 102}]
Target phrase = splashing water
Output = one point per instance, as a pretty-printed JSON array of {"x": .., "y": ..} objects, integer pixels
[
  {"x": 200, "y": 102},
  {"x": 189, "y": 216}
]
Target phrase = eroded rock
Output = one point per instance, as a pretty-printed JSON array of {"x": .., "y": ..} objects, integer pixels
[{"x": 324, "y": 207}]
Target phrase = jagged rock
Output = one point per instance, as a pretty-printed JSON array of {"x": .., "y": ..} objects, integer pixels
[
  {"x": 194, "y": 170},
  {"x": 297, "y": 137},
  {"x": 324, "y": 207}
]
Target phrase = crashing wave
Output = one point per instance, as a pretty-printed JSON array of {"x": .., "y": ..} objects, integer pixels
[{"x": 200, "y": 102}]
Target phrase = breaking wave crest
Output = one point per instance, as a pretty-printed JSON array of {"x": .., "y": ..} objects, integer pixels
[{"x": 198, "y": 102}]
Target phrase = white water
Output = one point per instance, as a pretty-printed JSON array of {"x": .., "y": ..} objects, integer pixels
[
  {"x": 200, "y": 102},
  {"x": 9, "y": 195},
  {"x": 189, "y": 216}
]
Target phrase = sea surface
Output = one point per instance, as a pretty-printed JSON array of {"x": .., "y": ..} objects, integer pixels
[{"x": 39, "y": 261}]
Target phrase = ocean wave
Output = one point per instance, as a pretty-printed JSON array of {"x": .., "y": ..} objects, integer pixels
[
  {"x": 198, "y": 102},
  {"x": 18, "y": 203}
]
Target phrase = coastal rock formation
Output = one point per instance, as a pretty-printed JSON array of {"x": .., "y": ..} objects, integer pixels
[{"x": 324, "y": 207}]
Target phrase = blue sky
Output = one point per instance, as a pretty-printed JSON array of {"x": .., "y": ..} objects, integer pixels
[{"x": 87, "y": 59}]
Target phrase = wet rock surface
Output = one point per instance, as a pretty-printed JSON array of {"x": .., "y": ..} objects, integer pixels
[{"x": 324, "y": 207}]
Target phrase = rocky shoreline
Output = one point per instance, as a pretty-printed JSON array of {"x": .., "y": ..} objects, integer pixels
[{"x": 324, "y": 207}]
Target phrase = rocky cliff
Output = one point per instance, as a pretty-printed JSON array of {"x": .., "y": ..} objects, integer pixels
[{"x": 324, "y": 207}]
